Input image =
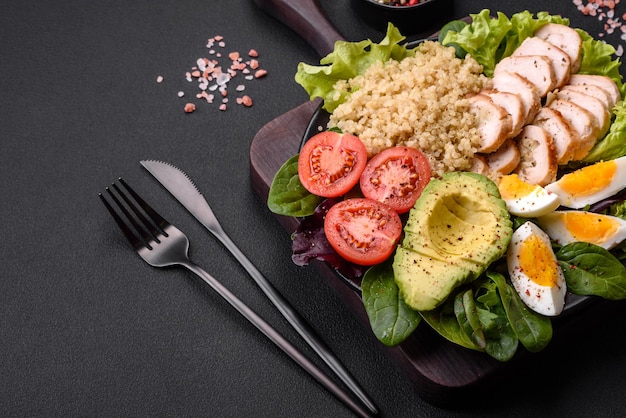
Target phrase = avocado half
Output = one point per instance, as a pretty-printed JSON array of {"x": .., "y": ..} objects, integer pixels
[{"x": 456, "y": 229}]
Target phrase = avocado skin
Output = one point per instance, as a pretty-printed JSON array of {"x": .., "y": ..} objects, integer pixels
[{"x": 456, "y": 229}]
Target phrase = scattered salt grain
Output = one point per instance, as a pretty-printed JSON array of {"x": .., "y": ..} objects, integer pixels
[
  {"x": 159, "y": 79},
  {"x": 214, "y": 75},
  {"x": 604, "y": 11}
]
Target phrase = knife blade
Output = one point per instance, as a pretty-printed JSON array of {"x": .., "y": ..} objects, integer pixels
[{"x": 183, "y": 188}]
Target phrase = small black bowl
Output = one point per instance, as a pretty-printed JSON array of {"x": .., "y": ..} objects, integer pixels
[{"x": 418, "y": 18}]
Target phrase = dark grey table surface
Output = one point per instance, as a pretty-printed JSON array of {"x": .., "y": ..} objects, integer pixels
[{"x": 88, "y": 329}]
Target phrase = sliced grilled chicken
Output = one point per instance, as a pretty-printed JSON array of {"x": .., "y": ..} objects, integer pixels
[
  {"x": 593, "y": 91},
  {"x": 566, "y": 140},
  {"x": 479, "y": 165},
  {"x": 561, "y": 62},
  {"x": 494, "y": 123},
  {"x": 535, "y": 68},
  {"x": 512, "y": 103},
  {"x": 565, "y": 38},
  {"x": 537, "y": 156},
  {"x": 505, "y": 159},
  {"x": 604, "y": 82},
  {"x": 513, "y": 83},
  {"x": 598, "y": 109},
  {"x": 582, "y": 121}
]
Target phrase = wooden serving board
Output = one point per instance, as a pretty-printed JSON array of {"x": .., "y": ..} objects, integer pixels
[{"x": 442, "y": 372}]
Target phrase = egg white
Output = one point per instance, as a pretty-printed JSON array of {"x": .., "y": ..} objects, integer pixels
[
  {"x": 577, "y": 199},
  {"x": 528, "y": 269},
  {"x": 563, "y": 230},
  {"x": 527, "y": 200}
]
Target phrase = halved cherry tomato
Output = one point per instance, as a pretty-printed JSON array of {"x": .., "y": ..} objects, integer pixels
[
  {"x": 363, "y": 231},
  {"x": 330, "y": 163},
  {"x": 396, "y": 177}
]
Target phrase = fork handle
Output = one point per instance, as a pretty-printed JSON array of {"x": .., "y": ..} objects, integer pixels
[{"x": 278, "y": 339}]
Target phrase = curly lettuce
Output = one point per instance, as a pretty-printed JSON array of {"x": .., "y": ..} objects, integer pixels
[
  {"x": 348, "y": 60},
  {"x": 488, "y": 39}
]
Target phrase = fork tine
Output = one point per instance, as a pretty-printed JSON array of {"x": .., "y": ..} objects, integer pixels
[
  {"x": 156, "y": 218},
  {"x": 128, "y": 233}
]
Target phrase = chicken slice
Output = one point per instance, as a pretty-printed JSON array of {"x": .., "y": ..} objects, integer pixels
[
  {"x": 513, "y": 83},
  {"x": 601, "y": 81},
  {"x": 597, "y": 108},
  {"x": 593, "y": 91},
  {"x": 566, "y": 139},
  {"x": 505, "y": 159},
  {"x": 537, "y": 157},
  {"x": 583, "y": 123},
  {"x": 512, "y": 103},
  {"x": 535, "y": 68},
  {"x": 494, "y": 123},
  {"x": 561, "y": 62},
  {"x": 563, "y": 37}
]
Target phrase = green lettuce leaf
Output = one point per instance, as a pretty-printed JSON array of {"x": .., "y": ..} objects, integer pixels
[
  {"x": 613, "y": 145},
  {"x": 348, "y": 60},
  {"x": 489, "y": 38}
]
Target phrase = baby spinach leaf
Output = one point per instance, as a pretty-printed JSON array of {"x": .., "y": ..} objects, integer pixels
[
  {"x": 287, "y": 195},
  {"x": 501, "y": 339},
  {"x": 467, "y": 316},
  {"x": 592, "y": 270},
  {"x": 533, "y": 330},
  {"x": 445, "y": 323},
  {"x": 391, "y": 319}
]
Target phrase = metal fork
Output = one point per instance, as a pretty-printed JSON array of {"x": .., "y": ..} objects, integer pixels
[{"x": 161, "y": 244}]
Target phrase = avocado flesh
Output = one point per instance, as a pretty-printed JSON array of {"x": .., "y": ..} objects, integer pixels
[{"x": 456, "y": 229}]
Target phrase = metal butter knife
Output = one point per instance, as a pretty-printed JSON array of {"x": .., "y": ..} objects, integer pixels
[{"x": 187, "y": 193}]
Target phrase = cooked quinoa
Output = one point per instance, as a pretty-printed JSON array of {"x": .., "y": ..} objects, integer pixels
[{"x": 418, "y": 102}]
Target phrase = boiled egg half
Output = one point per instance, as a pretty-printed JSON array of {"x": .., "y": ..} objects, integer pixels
[
  {"x": 525, "y": 199},
  {"x": 590, "y": 184},
  {"x": 535, "y": 272},
  {"x": 566, "y": 227}
]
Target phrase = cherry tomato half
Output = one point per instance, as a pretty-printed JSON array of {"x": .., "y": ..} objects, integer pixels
[
  {"x": 330, "y": 163},
  {"x": 363, "y": 231},
  {"x": 396, "y": 177}
]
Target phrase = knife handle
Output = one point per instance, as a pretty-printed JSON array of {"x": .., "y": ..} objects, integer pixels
[{"x": 307, "y": 19}]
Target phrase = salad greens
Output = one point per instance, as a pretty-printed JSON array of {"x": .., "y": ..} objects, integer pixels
[
  {"x": 392, "y": 320},
  {"x": 592, "y": 270},
  {"x": 488, "y": 39},
  {"x": 287, "y": 195},
  {"x": 348, "y": 60}
]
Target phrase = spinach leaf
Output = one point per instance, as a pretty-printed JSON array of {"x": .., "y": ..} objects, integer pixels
[
  {"x": 592, "y": 270},
  {"x": 468, "y": 318},
  {"x": 533, "y": 330},
  {"x": 501, "y": 339},
  {"x": 391, "y": 319},
  {"x": 454, "y": 26},
  {"x": 445, "y": 323},
  {"x": 287, "y": 196}
]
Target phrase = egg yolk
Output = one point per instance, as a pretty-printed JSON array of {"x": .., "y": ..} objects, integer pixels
[
  {"x": 590, "y": 227},
  {"x": 537, "y": 261},
  {"x": 511, "y": 187},
  {"x": 588, "y": 180}
]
